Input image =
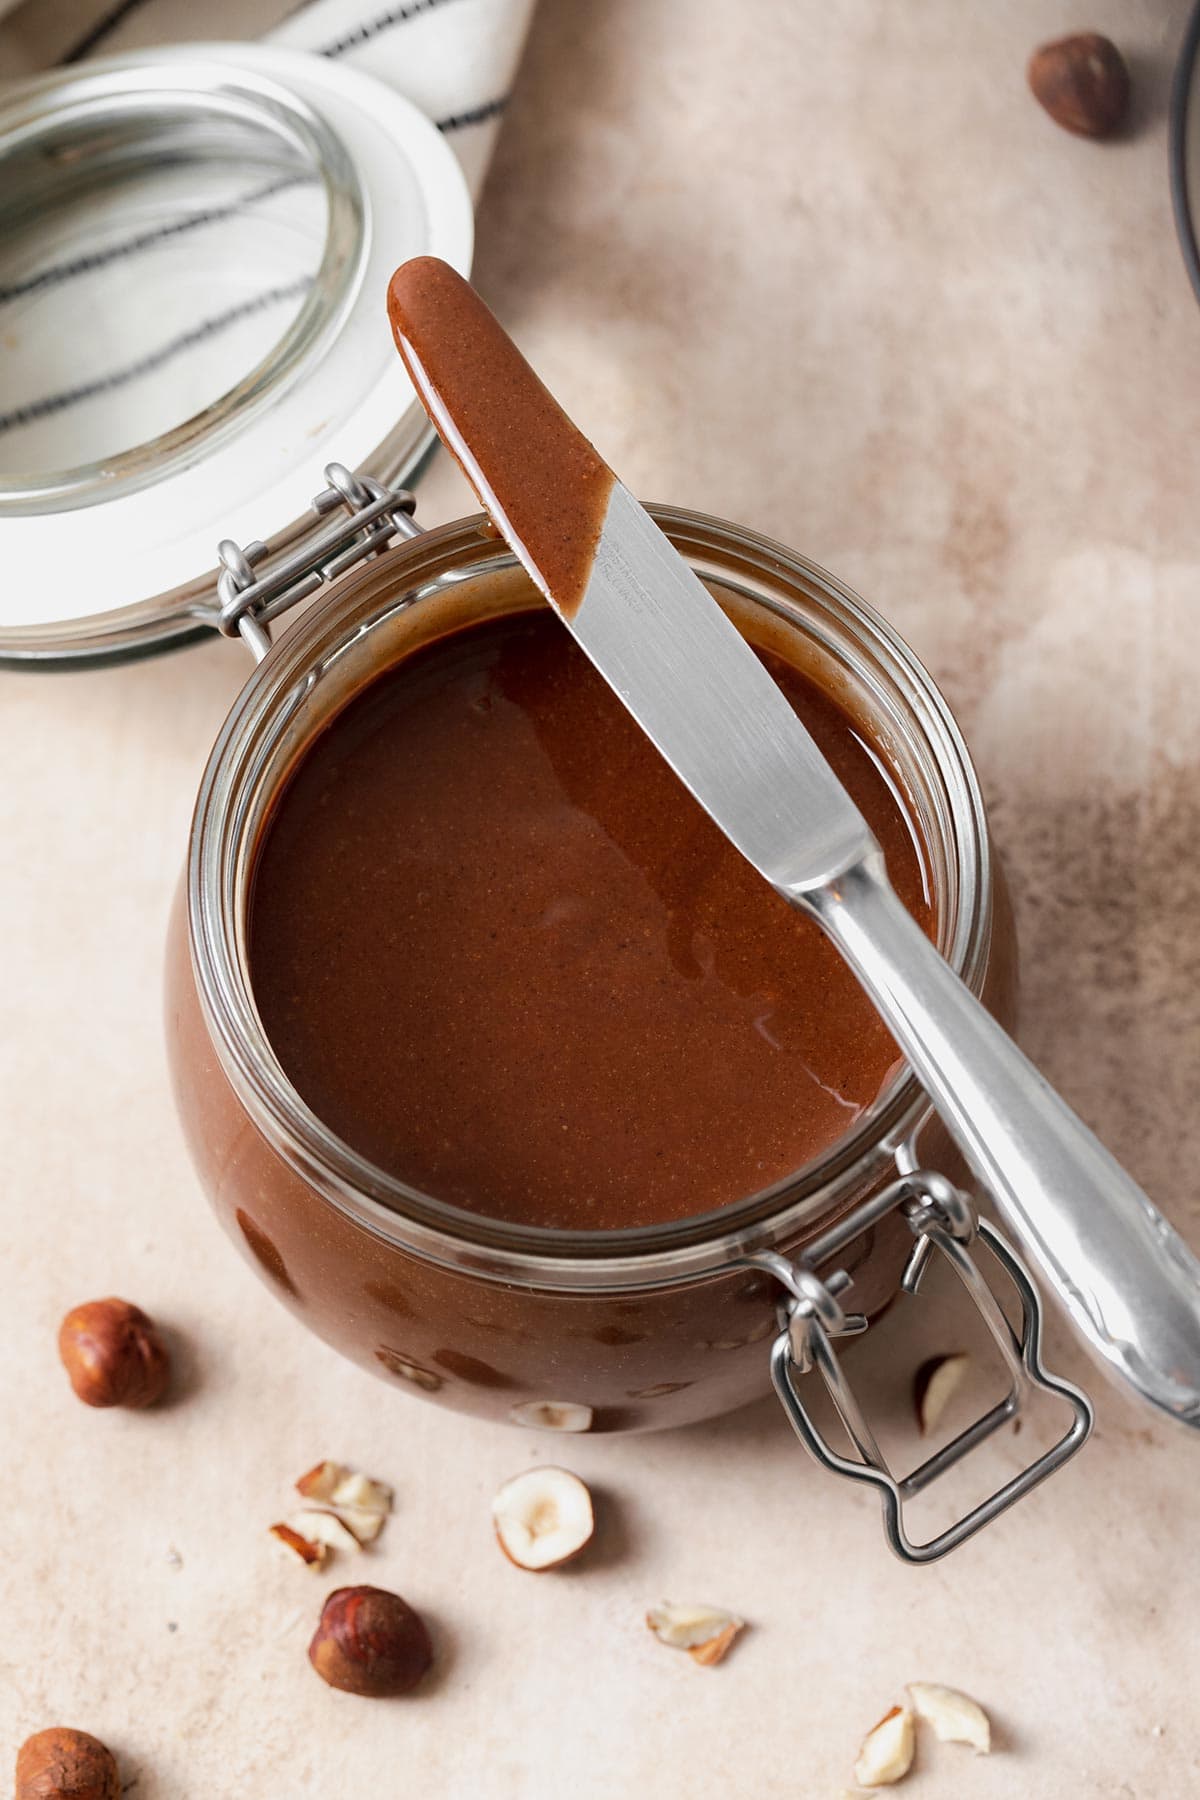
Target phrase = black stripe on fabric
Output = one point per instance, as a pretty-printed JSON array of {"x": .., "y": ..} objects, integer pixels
[
  {"x": 474, "y": 115},
  {"x": 101, "y": 29},
  {"x": 57, "y": 273},
  {"x": 209, "y": 328},
  {"x": 373, "y": 28}
]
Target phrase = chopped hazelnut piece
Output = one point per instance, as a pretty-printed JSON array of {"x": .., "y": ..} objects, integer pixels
[
  {"x": 310, "y": 1553},
  {"x": 360, "y": 1493},
  {"x": 705, "y": 1632},
  {"x": 934, "y": 1386},
  {"x": 319, "y": 1482},
  {"x": 325, "y": 1528},
  {"x": 888, "y": 1748},
  {"x": 360, "y": 1504},
  {"x": 366, "y": 1526},
  {"x": 955, "y": 1717}
]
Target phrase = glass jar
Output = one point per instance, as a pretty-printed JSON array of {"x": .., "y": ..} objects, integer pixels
[{"x": 615, "y": 1331}]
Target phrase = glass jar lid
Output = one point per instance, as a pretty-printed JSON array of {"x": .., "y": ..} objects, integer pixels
[{"x": 194, "y": 248}]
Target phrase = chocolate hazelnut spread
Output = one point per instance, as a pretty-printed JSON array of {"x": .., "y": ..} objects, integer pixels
[
  {"x": 549, "y": 488},
  {"x": 500, "y": 950},
  {"x": 370, "y": 955}
]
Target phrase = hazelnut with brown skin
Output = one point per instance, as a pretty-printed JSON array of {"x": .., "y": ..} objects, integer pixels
[
  {"x": 370, "y": 1642},
  {"x": 61, "y": 1764},
  {"x": 113, "y": 1354},
  {"x": 1082, "y": 82}
]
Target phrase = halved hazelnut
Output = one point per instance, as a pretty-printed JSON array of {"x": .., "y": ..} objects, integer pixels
[
  {"x": 311, "y": 1553},
  {"x": 705, "y": 1632},
  {"x": 887, "y": 1751},
  {"x": 552, "y": 1415},
  {"x": 934, "y": 1385},
  {"x": 325, "y": 1528},
  {"x": 543, "y": 1518},
  {"x": 954, "y": 1716}
]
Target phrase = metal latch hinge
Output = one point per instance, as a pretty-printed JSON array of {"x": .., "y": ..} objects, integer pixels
[
  {"x": 248, "y": 601},
  {"x": 942, "y": 1219}
]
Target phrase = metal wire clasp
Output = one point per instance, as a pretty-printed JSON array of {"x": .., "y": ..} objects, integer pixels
[
  {"x": 249, "y": 601},
  {"x": 942, "y": 1219}
]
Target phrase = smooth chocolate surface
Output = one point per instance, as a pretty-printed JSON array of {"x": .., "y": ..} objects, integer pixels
[
  {"x": 547, "y": 488},
  {"x": 500, "y": 950}
]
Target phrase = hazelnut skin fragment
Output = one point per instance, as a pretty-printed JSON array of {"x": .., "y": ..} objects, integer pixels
[
  {"x": 113, "y": 1354},
  {"x": 62, "y": 1764},
  {"x": 1082, "y": 82},
  {"x": 370, "y": 1642}
]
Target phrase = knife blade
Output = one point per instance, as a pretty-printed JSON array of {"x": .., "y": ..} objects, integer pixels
[
  {"x": 699, "y": 692},
  {"x": 631, "y": 601},
  {"x": 1128, "y": 1281}
]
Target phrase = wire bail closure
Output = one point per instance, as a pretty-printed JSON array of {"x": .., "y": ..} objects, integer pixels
[
  {"x": 249, "y": 601},
  {"x": 943, "y": 1220}
]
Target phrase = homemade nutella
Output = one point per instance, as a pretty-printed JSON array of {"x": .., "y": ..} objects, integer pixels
[
  {"x": 501, "y": 951},
  {"x": 548, "y": 487}
]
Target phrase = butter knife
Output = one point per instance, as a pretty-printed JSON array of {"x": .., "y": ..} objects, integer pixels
[{"x": 1127, "y": 1279}]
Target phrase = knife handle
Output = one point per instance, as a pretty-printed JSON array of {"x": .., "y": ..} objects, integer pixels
[{"x": 1127, "y": 1279}]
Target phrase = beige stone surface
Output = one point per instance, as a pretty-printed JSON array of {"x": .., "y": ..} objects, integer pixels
[{"x": 826, "y": 270}]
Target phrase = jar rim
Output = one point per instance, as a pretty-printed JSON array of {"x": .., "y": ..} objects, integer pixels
[{"x": 220, "y": 858}]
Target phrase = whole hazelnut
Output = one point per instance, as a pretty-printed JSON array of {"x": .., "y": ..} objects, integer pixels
[
  {"x": 370, "y": 1642},
  {"x": 1082, "y": 82},
  {"x": 61, "y": 1764},
  {"x": 113, "y": 1354}
]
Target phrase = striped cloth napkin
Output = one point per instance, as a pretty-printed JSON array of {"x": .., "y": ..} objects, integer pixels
[{"x": 455, "y": 59}]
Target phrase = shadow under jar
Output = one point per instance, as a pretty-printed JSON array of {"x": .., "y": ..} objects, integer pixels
[{"x": 527, "y": 1317}]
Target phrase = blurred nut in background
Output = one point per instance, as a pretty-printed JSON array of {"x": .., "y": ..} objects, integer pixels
[
  {"x": 1082, "y": 82},
  {"x": 61, "y": 1764},
  {"x": 113, "y": 1354}
]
